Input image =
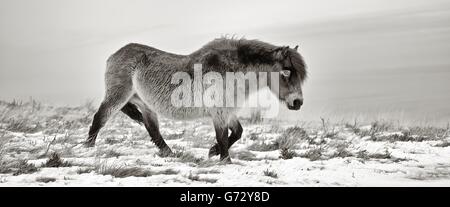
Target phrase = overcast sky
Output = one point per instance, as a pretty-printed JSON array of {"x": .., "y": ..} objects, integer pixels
[
  {"x": 53, "y": 25},
  {"x": 55, "y": 50}
]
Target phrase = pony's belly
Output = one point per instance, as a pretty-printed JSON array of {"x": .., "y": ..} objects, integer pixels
[
  {"x": 167, "y": 110},
  {"x": 182, "y": 113},
  {"x": 156, "y": 94}
]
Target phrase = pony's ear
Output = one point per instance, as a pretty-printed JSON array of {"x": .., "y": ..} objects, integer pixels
[{"x": 296, "y": 48}]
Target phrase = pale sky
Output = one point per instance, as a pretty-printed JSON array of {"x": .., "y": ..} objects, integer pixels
[
  {"x": 49, "y": 25},
  {"x": 55, "y": 50}
]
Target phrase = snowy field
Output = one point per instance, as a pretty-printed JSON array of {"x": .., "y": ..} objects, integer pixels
[{"x": 40, "y": 145}]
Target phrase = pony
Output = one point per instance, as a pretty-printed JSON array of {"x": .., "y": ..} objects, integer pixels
[{"x": 138, "y": 83}]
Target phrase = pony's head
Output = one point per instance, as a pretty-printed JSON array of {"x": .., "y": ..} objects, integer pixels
[
  {"x": 287, "y": 61},
  {"x": 292, "y": 74}
]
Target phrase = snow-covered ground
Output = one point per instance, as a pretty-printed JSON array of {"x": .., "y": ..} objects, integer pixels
[{"x": 315, "y": 154}]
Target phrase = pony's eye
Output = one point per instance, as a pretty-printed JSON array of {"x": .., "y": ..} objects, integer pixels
[{"x": 285, "y": 73}]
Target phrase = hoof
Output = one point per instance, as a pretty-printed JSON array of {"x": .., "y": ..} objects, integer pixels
[
  {"x": 213, "y": 151},
  {"x": 226, "y": 160},
  {"x": 88, "y": 144},
  {"x": 166, "y": 153}
]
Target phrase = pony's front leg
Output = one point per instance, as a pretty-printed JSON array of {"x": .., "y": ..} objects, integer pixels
[
  {"x": 236, "y": 132},
  {"x": 221, "y": 129}
]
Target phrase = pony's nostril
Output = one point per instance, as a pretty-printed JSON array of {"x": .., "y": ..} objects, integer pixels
[{"x": 298, "y": 103}]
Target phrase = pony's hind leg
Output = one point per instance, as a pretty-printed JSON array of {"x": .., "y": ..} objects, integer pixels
[
  {"x": 236, "y": 132},
  {"x": 112, "y": 103},
  {"x": 152, "y": 126},
  {"x": 132, "y": 111},
  {"x": 221, "y": 129},
  {"x": 150, "y": 120}
]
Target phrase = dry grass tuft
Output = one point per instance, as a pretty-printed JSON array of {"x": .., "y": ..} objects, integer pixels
[
  {"x": 187, "y": 157},
  {"x": 45, "y": 179},
  {"x": 313, "y": 154},
  {"x": 270, "y": 173},
  {"x": 291, "y": 136},
  {"x": 386, "y": 155},
  {"x": 328, "y": 129},
  {"x": 444, "y": 143},
  {"x": 286, "y": 142},
  {"x": 286, "y": 153},
  {"x": 341, "y": 150},
  {"x": 244, "y": 155},
  {"x": 112, "y": 153},
  {"x": 55, "y": 161},
  {"x": 198, "y": 178},
  {"x": 375, "y": 128},
  {"x": 262, "y": 146},
  {"x": 22, "y": 167},
  {"x": 121, "y": 171},
  {"x": 85, "y": 170}
]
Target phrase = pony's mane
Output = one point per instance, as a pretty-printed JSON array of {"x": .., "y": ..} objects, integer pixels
[{"x": 256, "y": 52}]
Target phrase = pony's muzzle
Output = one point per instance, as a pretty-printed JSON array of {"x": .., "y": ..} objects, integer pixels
[{"x": 296, "y": 104}]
